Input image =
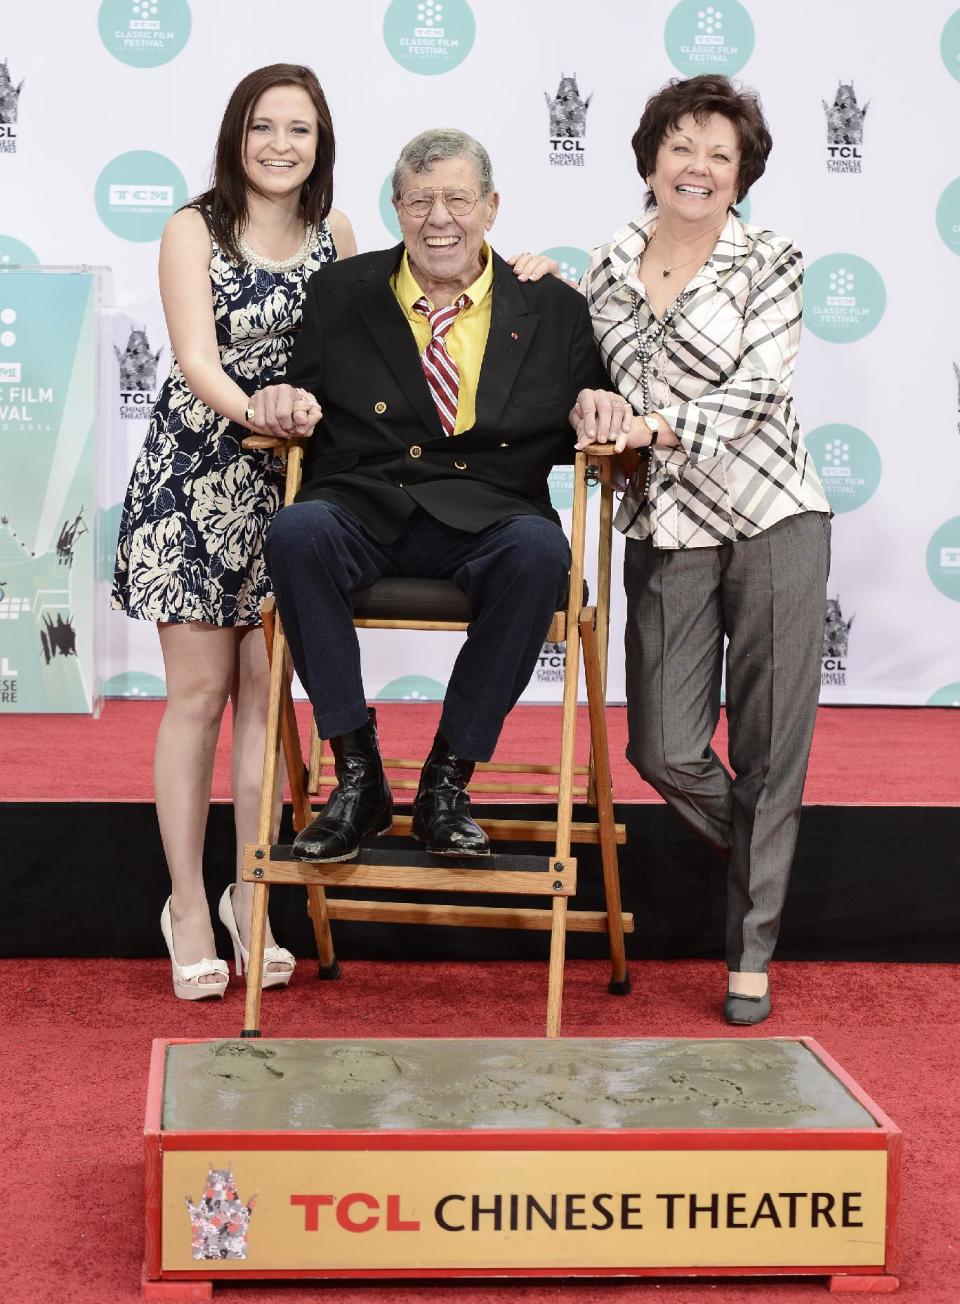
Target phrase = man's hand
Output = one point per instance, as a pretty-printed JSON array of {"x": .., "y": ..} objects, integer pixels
[
  {"x": 285, "y": 412},
  {"x": 600, "y": 417}
]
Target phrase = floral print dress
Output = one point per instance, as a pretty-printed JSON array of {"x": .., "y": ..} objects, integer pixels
[{"x": 198, "y": 506}]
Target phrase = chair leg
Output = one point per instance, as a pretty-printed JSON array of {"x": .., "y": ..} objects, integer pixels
[
  {"x": 290, "y": 734},
  {"x": 297, "y": 776},
  {"x": 328, "y": 967},
  {"x": 558, "y": 946},
  {"x": 620, "y": 980},
  {"x": 279, "y": 686},
  {"x": 258, "y": 940}
]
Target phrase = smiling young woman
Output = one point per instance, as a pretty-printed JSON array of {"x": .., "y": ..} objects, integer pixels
[{"x": 234, "y": 265}]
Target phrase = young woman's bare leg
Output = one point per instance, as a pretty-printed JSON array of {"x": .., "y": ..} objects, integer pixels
[
  {"x": 199, "y": 665},
  {"x": 250, "y": 694}
]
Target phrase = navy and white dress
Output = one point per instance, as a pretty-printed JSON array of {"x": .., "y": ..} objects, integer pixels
[{"x": 198, "y": 506}]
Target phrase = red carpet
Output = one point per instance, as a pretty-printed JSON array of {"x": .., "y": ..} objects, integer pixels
[
  {"x": 861, "y": 755},
  {"x": 75, "y": 1047}
]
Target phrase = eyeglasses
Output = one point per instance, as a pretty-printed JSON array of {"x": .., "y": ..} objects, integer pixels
[{"x": 458, "y": 203}]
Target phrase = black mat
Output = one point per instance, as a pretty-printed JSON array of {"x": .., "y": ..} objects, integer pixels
[{"x": 877, "y": 883}]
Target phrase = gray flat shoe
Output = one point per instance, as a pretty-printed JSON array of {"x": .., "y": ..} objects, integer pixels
[{"x": 746, "y": 1009}]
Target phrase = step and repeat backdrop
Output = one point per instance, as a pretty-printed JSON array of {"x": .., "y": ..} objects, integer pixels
[{"x": 108, "y": 117}]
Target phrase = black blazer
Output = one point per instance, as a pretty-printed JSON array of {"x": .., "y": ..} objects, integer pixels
[{"x": 380, "y": 451}]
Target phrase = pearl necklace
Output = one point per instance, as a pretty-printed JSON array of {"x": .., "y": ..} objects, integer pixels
[{"x": 278, "y": 264}]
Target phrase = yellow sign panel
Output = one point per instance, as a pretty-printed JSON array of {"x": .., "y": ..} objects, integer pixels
[{"x": 522, "y": 1209}]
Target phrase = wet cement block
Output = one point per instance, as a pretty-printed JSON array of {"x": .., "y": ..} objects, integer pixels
[
  {"x": 573, "y": 1157},
  {"x": 415, "y": 1084}
]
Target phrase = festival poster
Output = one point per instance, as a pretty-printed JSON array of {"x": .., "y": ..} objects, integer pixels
[{"x": 48, "y": 368}]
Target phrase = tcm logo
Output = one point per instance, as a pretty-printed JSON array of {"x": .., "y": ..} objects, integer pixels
[
  {"x": 355, "y": 1212},
  {"x": 131, "y": 196},
  {"x": 10, "y": 372},
  {"x": 950, "y": 558}
]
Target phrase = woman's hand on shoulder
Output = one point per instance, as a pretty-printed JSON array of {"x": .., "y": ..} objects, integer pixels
[
  {"x": 600, "y": 416},
  {"x": 344, "y": 240},
  {"x": 533, "y": 267}
]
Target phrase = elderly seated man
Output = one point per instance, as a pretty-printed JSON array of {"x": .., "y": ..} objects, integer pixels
[{"x": 445, "y": 384}]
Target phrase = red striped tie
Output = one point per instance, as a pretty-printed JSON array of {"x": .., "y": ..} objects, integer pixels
[{"x": 438, "y": 366}]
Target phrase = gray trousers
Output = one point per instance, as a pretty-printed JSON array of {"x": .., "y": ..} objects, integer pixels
[{"x": 767, "y": 596}]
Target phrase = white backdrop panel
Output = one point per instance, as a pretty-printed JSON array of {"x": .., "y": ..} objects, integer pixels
[{"x": 876, "y": 386}]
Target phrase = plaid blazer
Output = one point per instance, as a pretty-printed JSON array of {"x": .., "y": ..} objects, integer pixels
[{"x": 717, "y": 367}]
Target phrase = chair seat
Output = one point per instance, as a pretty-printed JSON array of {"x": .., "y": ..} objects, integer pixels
[
  {"x": 405, "y": 598},
  {"x": 402, "y": 598}
]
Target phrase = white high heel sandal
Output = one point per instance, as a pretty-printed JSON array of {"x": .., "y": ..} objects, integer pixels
[
  {"x": 241, "y": 956},
  {"x": 187, "y": 978}
]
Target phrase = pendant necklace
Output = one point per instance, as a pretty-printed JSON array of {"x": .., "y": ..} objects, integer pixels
[{"x": 667, "y": 271}]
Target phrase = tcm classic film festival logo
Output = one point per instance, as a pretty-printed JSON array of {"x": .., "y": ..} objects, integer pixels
[
  {"x": 429, "y": 36},
  {"x": 9, "y": 109},
  {"x": 948, "y": 216},
  {"x": 14, "y": 253},
  {"x": 849, "y": 465},
  {"x": 943, "y": 559},
  {"x": 144, "y": 33},
  {"x": 19, "y": 402},
  {"x": 709, "y": 37},
  {"x": 844, "y": 298},
  {"x": 568, "y": 123},
  {"x": 845, "y": 130}
]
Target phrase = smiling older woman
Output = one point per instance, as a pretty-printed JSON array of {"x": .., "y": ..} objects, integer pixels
[{"x": 697, "y": 316}]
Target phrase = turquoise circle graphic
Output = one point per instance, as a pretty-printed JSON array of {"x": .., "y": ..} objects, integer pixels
[
  {"x": 134, "y": 683},
  {"x": 144, "y": 33},
  {"x": 943, "y": 558},
  {"x": 412, "y": 688},
  {"x": 948, "y": 216},
  {"x": 849, "y": 465},
  {"x": 429, "y": 36},
  {"x": 948, "y": 695},
  {"x": 950, "y": 45},
  {"x": 843, "y": 299},
  {"x": 14, "y": 253},
  {"x": 708, "y": 37},
  {"x": 560, "y": 484},
  {"x": 573, "y": 261},
  {"x": 387, "y": 211},
  {"x": 137, "y": 192}
]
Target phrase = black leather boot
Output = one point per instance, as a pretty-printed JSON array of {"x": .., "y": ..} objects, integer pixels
[
  {"x": 360, "y": 805},
  {"x": 441, "y": 809}
]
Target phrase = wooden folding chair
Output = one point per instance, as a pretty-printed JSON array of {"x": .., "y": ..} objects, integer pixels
[{"x": 552, "y": 876}]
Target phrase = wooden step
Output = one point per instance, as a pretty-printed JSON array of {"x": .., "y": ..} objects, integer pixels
[{"x": 387, "y": 867}]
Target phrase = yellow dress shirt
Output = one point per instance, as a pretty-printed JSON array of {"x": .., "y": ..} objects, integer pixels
[{"x": 466, "y": 339}]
